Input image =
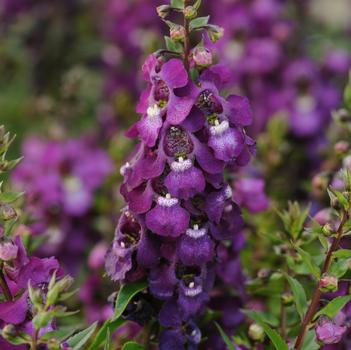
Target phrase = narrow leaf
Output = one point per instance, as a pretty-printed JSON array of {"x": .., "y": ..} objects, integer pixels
[
  {"x": 199, "y": 22},
  {"x": 334, "y": 306},
  {"x": 342, "y": 254},
  {"x": 126, "y": 294},
  {"x": 131, "y": 345},
  {"x": 77, "y": 341},
  {"x": 272, "y": 334},
  {"x": 311, "y": 265},
  {"x": 299, "y": 295},
  {"x": 225, "y": 338}
]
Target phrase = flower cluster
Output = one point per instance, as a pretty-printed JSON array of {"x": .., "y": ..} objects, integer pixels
[
  {"x": 61, "y": 178},
  {"x": 267, "y": 57},
  {"x": 180, "y": 209}
]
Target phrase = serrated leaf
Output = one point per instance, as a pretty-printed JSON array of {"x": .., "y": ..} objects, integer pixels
[
  {"x": 77, "y": 341},
  {"x": 334, "y": 306},
  {"x": 225, "y": 338},
  {"x": 342, "y": 254},
  {"x": 311, "y": 265},
  {"x": 108, "y": 326},
  {"x": 177, "y": 4},
  {"x": 199, "y": 22},
  {"x": 126, "y": 294},
  {"x": 299, "y": 295},
  {"x": 272, "y": 334},
  {"x": 131, "y": 345},
  {"x": 9, "y": 197}
]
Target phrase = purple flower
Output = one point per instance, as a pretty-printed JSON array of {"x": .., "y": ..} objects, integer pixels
[{"x": 329, "y": 332}]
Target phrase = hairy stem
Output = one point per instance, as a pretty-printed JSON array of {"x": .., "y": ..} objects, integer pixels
[{"x": 317, "y": 293}]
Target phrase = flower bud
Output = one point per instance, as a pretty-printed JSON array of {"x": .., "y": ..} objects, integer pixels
[
  {"x": 328, "y": 332},
  {"x": 256, "y": 332},
  {"x": 202, "y": 57},
  {"x": 215, "y": 33},
  {"x": 328, "y": 283},
  {"x": 347, "y": 162},
  {"x": 177, "y": 33},
  {"x": 12, "y": 335},
  {"x": 190, "y": 12},
  {"x": 287, "y": 299},
  {"x": 327, "y": 230},
  {"x": 8, "y": 250},
  {"x": 7, "y": 212},
  {"x": 341, "y": 147},
  {"x": 335, "y": 204},
  {"x": 54, "y": 344},
  {"x": 163, "y": 10},
  {"x": 320, "y": 183},
  {"x": 343, "y": 116},
  {"x": 264, "y": 273}
]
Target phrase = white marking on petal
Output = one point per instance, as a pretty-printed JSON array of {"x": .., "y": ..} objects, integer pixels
[
  {"x": 196, "y": 233},
  {"x": 122, "y": 244},
  {"x": 193, "y": 292},
  {"x": 167, "y": 201},
  {"x": 181, "y": 165},
  {"x": 228, "y": 192},
  {"x": 124, "y": 168},
  {"x": 153, "y": 111},
  {"x": 219, "y": 129}
]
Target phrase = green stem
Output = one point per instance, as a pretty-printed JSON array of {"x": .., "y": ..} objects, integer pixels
[{"x": 186, "y": 39}]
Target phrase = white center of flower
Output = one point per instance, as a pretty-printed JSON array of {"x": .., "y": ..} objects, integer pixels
[
  {"x": 196, "y": 232},
  {"x": 193, "y": 291},
  {"x": 124, "y": 168},
  {"x": 167, "y": 201},
  {"x": 219, "y": 128},
  {"x": 153, "y": 111},
  {"x": 306, "y": 103},
  {"x": 228, "y": 192},
  {"x": 181, "y": 165}
]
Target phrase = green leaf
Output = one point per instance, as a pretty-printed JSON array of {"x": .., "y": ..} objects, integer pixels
[
  {"x": 342, "y": 254},
  {"x": 177, "y": 4},
  {"x": 340, "y": 267},
  {"x": 311, "y": 265},
  {"x": 197, "y": 4},
  {"x": 272, "y": 334},
  {"x": 334, "y": 306},
  {"x": 199, "y": 22},
  {"x": 108, "y": 340},
  {"x": 310, "y": 341},
  {"x": 9, "y": 197},
  {"x": 225, "y": 338},
  {"x": 131, "y": 345},
  {"x": 126, "y": 294},
  {"x": 61, "y": 333},
  {"x": 108, "y": 326},
  {"x": 77, "y": 341},
  {"x": 299, "y": 295},
  {"x": 347, "y": 94}
]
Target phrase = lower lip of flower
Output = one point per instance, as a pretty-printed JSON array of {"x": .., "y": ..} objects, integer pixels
[
  {"x": 193, "y": 291},
  {"x": 196, "y": 232},
  {"x": 167, "y": 201},
  {"x": 181, "y": 165},
  {"x": 219, "y": 128}
]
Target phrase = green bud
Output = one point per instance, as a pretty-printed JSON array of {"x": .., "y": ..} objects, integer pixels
[
  {"x": 35, "y": 296},
  {"x": 13, "y": 336},
  {"x": 163, "y": 11},
  {"x": 328, "y": 283},
  {"x": 256, "y": 332},
  {"x": 327, "y": 230},
  {"x": 54, "y": 344},
  {"x": 56, "y": 289},
  {"x": 287, "y": 299},
  {"x": 215, "y": 32},
  {"x": 42, "y": 319},
  {"x": 190, "y": 12},
  {"x": 7, "y": 212},
  {"x": 177, "y": 32}
]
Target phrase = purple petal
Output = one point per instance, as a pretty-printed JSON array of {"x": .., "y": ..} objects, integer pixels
[
  {"x": 178, "y": 109},
  {"x": 174, "y": 73},
  {"x": 14, "y": 312},
  {"x": 148, "y": 128},
  {"x": 240, "y": 110}
]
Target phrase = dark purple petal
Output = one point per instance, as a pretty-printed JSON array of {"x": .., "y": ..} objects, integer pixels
[
  {"x": 118, "y": 262},
  {"x": 168, "y": 218},
  {"x": 162, "y": 281},
  {"x": 185, "y": 180},
  {"x": 239, "y": 111},
  {"x": 178, "y": 109},
  {"x": 172, "y": 340},
  {"x": 170, "y": 315},
  {"x": 140, "y": 199},
  {"x": 148, "y": 254},
  {"x": 206, "y": 159}
]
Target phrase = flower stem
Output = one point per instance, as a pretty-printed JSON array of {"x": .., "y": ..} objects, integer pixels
[
  {"x": 317, "y": 293},
  {"x": 34, "y": 340},
  {"x": 5, "y": 288},
  {"x": 186, "y": 39}
]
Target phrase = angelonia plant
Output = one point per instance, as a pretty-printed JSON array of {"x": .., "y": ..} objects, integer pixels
[
  {"x": 180, "y": 220},
  {"x": 32, "y": 289}
]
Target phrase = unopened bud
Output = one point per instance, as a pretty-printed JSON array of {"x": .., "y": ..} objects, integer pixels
[
  {"x": 8, "y": 250},
  {"x": 264, "y": 273},
  {"x": 320, "y": 183},
  {"x": 14, "y": 336},
  {"x": 215, "y": 33},
  {"x": 54, "y": 344},
  {"x": 177, "y": 32},
  {"x": 256, "y": 332},
  {"x": 190, "y": 12},
  {"x": 328, "y": 283},
  {"x": 202, "y": 57},
  {"x": 341, "y": 147},
  {"x": 59, "y": 287},
  {"x": 7, "y": 212},
  {"x": 335, "y": 204},
  {"x": 328, "y": 331},
  {"x": 163, "y": 10},
  {"x": 343, "y": 116},
  {"x": 327, "y": 230},
  {"x": 287, "y": 299},
  {"x": 347, "y": 162}
]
